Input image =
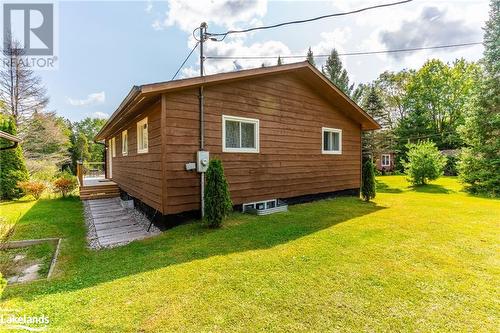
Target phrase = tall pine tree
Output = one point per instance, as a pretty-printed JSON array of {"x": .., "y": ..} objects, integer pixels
[
  {"x": 479, "y": 165},
  {"x": 310, "y": 57},
  {"x": 336, "y": 73},
  {"x": 280, "y": 61},
  {"x": 374, "y": 106}
]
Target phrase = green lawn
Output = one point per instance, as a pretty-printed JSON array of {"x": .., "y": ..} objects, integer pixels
[{"x": 424, "y": 259}]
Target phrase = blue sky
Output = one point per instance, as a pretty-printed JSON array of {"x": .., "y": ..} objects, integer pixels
[{"x": 106, "y": 47}]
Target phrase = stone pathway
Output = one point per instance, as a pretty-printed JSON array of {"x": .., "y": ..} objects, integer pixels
[{"x": 112, "y": 225}]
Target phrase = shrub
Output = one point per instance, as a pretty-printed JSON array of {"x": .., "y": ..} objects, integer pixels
[
  {"x": 33, "y": 187},
  {"x": 425, "y": 162},
  {"x": 12, "y": 165},
  {"x": 65, "y": 184},
  {"x": 450, "y": 169},
  {"x": 217, "y": 198},
  {"x": 368, "y": 189}
]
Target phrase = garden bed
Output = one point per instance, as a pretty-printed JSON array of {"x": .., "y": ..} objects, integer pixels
[{"x": 28, "y": 260}]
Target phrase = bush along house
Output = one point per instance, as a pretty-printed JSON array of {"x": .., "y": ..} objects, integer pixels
[{"x": 283, "y": 132}]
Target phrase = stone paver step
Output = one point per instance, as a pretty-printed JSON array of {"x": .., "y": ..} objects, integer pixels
[
  {"x": 119, "y": 230},
  {"x": 113, "y": 224}
]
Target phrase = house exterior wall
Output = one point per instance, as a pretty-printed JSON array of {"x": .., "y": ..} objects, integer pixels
[
  {"x": 290, "y": 162},
  {"x": 140, "y": 175},
  {"x": 378, "y": 162}
]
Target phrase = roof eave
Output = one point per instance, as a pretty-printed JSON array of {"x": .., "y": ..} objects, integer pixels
[{"x": 137, "y": 92}]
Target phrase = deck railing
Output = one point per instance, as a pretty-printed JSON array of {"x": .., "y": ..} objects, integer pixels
[{"x": 90, "y": 170}]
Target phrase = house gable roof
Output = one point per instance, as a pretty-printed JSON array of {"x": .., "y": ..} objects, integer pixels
[{"x": 144, "y": 94}]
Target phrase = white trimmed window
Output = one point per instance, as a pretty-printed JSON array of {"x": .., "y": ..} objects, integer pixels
[
  {"x": 113, "y": 147},
  {"x": 142, "y": 136},
  {"x": 240, "y": 135},
  {"x": 386, "y": 160},
  {"x": 332, "y": 141},
  {"x": 125, "y": 143}
]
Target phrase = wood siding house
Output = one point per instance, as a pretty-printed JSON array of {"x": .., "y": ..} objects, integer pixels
[
  {"x": 281, "y": 132},
  {"x": 385, "y": 161}
]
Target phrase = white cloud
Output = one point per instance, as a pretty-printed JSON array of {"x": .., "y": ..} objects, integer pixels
[
  {"x": 353, "y": 33},
  {"x": 188, "y": 15},
  {"x": 237, "y": 47},
  {"x": 336, "y": 39},
  {"x": 149, "y": 6},
  {"x": 101, "y": 115},
  {"x": 92, "y": 99}
]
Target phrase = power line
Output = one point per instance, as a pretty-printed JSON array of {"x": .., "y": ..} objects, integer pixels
[
  {"x": 225, "y": 34},
  {"x": 348, "y": 53},
  {"x": 188, "y": 56}
]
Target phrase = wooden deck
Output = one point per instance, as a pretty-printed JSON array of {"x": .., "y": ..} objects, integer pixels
[{"x": 98, "y": 188}]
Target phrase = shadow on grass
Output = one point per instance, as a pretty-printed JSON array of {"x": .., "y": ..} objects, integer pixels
[
  {"x": 82, "y": 268},
  {"x": 431, "y": 188},
  {"x": 384, "y": 188}
]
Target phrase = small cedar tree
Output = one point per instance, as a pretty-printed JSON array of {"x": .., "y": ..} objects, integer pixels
[
  {"x": 218, "y": 202},
  {"x": 368, "y": 188}
]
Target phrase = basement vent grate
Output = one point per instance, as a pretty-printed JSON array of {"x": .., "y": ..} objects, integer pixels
[{"x": 265, "y": 207}]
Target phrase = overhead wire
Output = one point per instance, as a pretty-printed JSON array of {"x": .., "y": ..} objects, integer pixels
[
  {"x": 185, "y": 60},
  {"x": 413, "y": 49}
]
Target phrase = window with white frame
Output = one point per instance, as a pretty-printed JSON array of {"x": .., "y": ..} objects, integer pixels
[
  {"x": 386, "y": 160},
  {"x": 240, "y": 135},
  {"x": 142, "y": 136},
  {"x": 332, "y": 141},
  {"x": 113, "y": 147},
  {"x": 125, "y": 143}
]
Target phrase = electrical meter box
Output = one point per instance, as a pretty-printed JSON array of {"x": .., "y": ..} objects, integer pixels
[{"x": 202, "y": 160}]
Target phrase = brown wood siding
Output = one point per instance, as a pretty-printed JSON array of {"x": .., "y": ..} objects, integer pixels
[
  {"x": 378, "y": 162},
  {"x": 140, "y": 175},
  {"x": 290, "y": 162}
]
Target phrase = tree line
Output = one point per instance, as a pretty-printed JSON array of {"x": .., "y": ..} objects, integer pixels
[
  {"x": 51, "y": 144},
  {"x": 453, "y": 105}
]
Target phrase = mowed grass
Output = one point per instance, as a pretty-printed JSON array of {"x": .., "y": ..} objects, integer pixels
[{"x": 416, "y": 259}]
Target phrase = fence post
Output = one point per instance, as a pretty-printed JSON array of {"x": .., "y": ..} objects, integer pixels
[{"x": 79, "y": 172}]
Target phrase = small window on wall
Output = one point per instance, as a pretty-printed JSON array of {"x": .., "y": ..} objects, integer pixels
[
  {"x": 332, "y": 141},
  {"x": 240, "y": 135},
  {"x": 386, "y": 160},
  {"x": 113, "y": 147},
  {"x": 142, "y": 136},
  {"x": 125, "y": 143}
]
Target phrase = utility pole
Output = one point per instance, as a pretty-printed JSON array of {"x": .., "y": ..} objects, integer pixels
[{"x": 203, "y": 31}]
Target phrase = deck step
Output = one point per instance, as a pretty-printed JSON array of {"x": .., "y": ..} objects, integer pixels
[
  {"x": 101, "y": 191},
  {"x": 99, "y": 196}
]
